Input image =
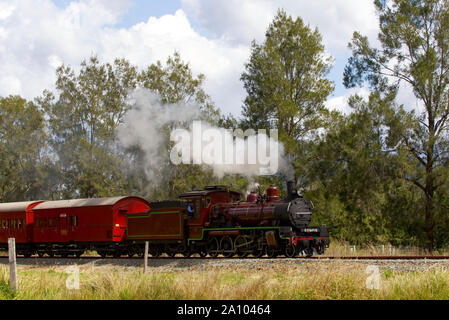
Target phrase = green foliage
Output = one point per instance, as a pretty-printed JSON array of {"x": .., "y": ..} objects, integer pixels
[
  {"x": 354, "y": 185},
  {"x": 22, "y": 150},
  {"x": 285, "y": 82},
  {"x": 82, "y": 122},
  {"x": 415, "y": 46}
]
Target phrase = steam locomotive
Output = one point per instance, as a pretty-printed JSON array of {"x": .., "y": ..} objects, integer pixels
[{"x": 209, "y": 222}]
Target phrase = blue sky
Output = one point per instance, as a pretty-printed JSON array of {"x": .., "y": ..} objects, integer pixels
[
  {"x": 140, "y": 10},
  {"x": 213, "y": 36}
]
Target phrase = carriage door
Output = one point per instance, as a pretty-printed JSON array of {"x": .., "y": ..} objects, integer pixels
[{"x": 63, "y": 224}]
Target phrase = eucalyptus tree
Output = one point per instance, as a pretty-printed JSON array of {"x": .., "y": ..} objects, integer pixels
[
  {"x": 22, "y": 150},
  {"x": 414, "y": 50},
  {"x": 286, "y": 83},
  {"x": 82, "y": 117}
]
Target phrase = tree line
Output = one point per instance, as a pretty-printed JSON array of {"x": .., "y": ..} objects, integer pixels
[{"x": 376, "y": 175}]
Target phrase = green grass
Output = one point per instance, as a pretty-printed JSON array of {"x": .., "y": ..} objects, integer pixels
[{"x": 303, "y": 282}]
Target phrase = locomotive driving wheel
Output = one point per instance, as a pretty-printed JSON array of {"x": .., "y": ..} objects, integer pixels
[
  {"x": 227, "y": 247},
  {"x": 258, "y": 253},
  {"x": 213, "y": 247},
  {"x": 271, "y": 252},
  {"x": 241, "y": 246}
]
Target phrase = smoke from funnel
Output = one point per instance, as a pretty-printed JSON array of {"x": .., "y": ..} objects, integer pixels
[{"x": 150, "y": 124}]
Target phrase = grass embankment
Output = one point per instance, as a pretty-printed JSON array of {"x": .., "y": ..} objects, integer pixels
[
  {"x": 343, "y": 249},
  {"x": 313, "y": 281}
]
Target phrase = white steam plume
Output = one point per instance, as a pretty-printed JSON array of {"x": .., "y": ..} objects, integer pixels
[{"x": 148, "y": 126}]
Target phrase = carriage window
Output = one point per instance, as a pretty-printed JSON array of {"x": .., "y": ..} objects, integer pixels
[
  {"x": 19, "y": 224},
  {"x": 74, "y": 221}
]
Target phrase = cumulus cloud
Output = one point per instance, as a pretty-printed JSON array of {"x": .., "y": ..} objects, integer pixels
[
  {"x": 340, "y": 103},
  {"x": 36, "y": 36},
  {"x": 243, "y": 21}
]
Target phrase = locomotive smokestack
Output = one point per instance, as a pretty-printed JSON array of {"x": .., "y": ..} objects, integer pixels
[{"x": 292, "y": 191}]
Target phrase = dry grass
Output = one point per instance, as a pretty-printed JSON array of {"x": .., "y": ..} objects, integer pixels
[
  {"x": 311, "y": 281},
  {"x": 343, "y": 249}
]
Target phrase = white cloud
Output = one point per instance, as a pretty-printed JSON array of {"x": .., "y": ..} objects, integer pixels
[
  {"x": 6, "y": 9},
  {"x": 340, "y": 103},
  {"x": 243, "y": 21},
  {"x": 213, "y": 36},
  {"x": 50, "y": 35}
]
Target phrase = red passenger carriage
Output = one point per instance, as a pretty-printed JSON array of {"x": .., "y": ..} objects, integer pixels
[{"x": 16, "y": 221}]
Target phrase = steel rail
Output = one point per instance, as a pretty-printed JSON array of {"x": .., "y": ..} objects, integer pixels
[{"x": 322, "y": 258}]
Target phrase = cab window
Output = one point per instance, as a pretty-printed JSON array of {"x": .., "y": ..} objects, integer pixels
[
  {"x": 206, "y": 202},
  {"x": 197, "y": 208},
  {"x": 190, "y": 209}
]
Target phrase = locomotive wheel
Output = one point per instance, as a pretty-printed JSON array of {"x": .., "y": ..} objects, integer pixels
[
  {"x": 258, "y": 253},
  {"x": 51, "y": 254},
  {"x": 131, "y": 252},
  {"x": 202, "y": 253},
  {"x": 308, "y": 252},
  {"x": 40, "y": 254},
  {"x": 102, "y": 254},
  {"x": 227, "y": 247},
  {"x": 213, "y": 247},
  {"x": 271, "y": 253},
  {"x": 320, "y": 250},
  {"x": 290, "y": 251},
  {"x": 187, "y": 254},
  {"x": 140, "y": 253},
  {"x": 154, "y": 251},
  {"x": 241, "y": 247}
]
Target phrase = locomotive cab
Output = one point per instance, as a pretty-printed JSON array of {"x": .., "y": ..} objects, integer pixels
[{"x": 200, "y": 203}]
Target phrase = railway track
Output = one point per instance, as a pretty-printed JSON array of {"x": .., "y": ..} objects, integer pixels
[{"x": 249, "y": 258}]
